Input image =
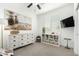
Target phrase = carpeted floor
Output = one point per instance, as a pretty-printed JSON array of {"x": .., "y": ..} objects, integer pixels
[{"x": 40, "y": 49}]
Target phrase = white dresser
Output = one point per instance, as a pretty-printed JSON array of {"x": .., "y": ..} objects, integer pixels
[{"x": 19, "y": 40}]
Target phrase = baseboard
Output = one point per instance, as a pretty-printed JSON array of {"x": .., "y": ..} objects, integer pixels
[{"x": 22, "y": 46}]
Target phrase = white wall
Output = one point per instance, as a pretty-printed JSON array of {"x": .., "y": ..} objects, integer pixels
[
  {"x": 76, "y": 29},
  {"x": 0, "y": 38},
  {"x": 21, "y": 8},
  {"x": 67, "y": 32},
  {"x": 57, "y": 15}
]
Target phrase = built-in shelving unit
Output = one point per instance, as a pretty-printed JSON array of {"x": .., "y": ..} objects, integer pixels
[{"x": 51, "y": 39}]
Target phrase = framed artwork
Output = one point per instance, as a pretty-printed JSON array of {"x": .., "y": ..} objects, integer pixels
[{"x": 16, "y": 21}]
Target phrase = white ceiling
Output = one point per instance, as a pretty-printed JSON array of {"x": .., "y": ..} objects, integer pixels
[{"x": 47, "y": 7}]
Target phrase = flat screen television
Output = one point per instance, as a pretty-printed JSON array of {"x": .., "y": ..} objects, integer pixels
[{"x": 67, "y": 22}]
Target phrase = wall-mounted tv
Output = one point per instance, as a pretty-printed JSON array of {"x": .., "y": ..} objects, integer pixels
[{"x": 67, "y": 22}]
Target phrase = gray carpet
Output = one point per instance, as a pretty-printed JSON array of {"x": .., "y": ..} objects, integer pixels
[{"x": 40, "y": 49}]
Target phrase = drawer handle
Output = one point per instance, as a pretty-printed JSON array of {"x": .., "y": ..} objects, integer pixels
[
  {"x": 14, "y": 45},
  {"x": 14, "y": 40},
  {"x": 14, "y": 36},
  {"x": 32, "y": 37},
  {"x": 22, "y": 35},
  {"x": 21, "y": 39},
  {"x": 22, "y": 43}
]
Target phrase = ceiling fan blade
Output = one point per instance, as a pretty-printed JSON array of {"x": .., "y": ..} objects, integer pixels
[
  {"x": 29, "y": 5},
  {"x": 38, "y": 6}
]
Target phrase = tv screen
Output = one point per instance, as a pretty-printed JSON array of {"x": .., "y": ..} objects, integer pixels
[{"x": 68, "y": 22}]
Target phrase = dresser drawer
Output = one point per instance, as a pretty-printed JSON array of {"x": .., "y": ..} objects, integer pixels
[
  {"x": 20, "y": 40},
  {"x": 22, "y": 44},
  {"x": 14, "y": 45}
]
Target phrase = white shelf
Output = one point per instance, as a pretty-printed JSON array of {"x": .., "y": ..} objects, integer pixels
[{"x": 50, "y": 40}]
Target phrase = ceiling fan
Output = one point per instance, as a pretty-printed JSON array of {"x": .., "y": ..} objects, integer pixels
[{"x": 38, "y": 6}]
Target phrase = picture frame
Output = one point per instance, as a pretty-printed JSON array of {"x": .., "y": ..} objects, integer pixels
[{"x": 16, "y": 21}]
